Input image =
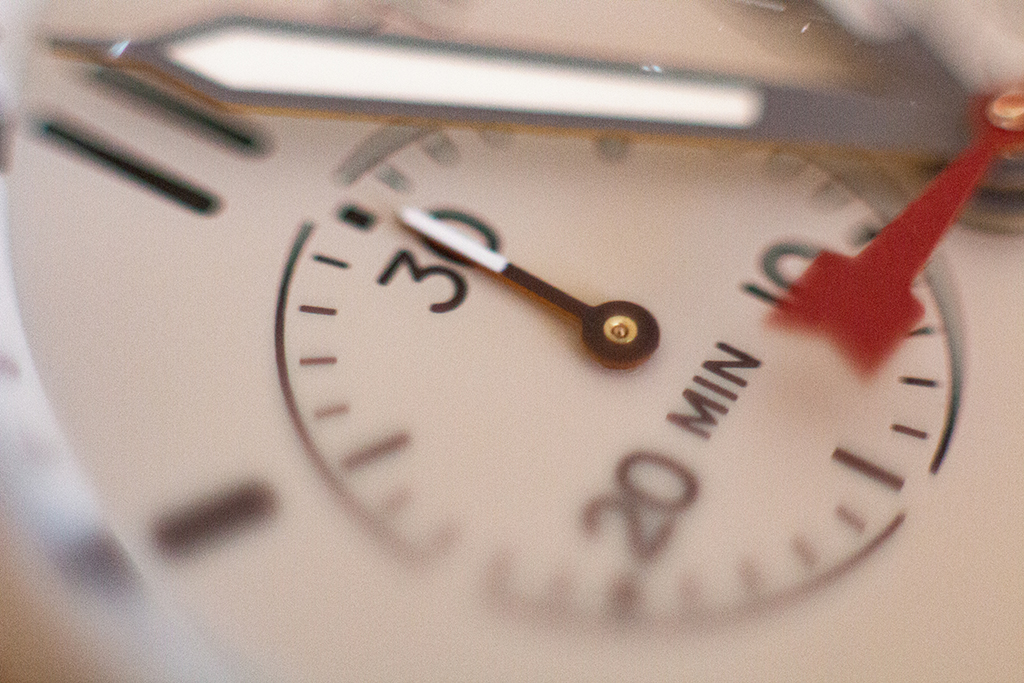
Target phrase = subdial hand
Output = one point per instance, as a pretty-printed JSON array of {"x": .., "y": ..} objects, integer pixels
[
  {"x": 619, "y": 334},
  {"x": 864, "y": 304}
]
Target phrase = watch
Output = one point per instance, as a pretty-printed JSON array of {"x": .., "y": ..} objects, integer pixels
[{"x": 479, "y": 341}]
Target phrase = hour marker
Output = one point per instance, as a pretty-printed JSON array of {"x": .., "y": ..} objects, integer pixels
[
  {"x": 919, "y": 382},
  {"x": 333, "y": 410},
  {"x": 804, "y": 551},
  {"x": 318, "y": 310},
  {"x": 761, "y": 294},
  {"x": 106, "y": 155},
  {"x": 868, "y": 469},
  {"x": 182, "y": 113},
  {"x": 393, "y": 178},
  {"x": 376, "y": 451},
  {"x": 851, "y": 519},
  {"x": 356, "y": 217},
  {"x": 909, "y": 431},
  {"x": 221, "y": 515},
  {"x": 318, "y": 360},
  {"x": 327, "y": 260}
]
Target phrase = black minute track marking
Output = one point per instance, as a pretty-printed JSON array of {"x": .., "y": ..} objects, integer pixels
[
  {"x": 393, "y": 178},
  {"x": 331, "y": 410},
  {"x": 804, "y": 551},
  {"x": 375, "y": 149},
  {"x": 441, "y": 149},
  {"x": 318, "y": 310},
  {"x": 105, "y": 154},
  {"x": 375, "y": 451},
  {"x": 695, "y": 611},
  {"x": 318, "y": 360},
  {"x": 868, "y": 469},
  {"x": 851, "y": 519},
  {"x": 358, "y": 218},
  {"x": 761, "y": 294},
  {"x": 909, "y": 431},
  {"x": 328, "y": 261},
  {"x": 919, "y": 382},
  {"x": 368, "y": 517}
]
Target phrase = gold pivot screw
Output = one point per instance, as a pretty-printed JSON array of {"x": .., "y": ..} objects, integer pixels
[
  {"x": 1007, "y": 110},
  {"x": 620, "y": 329}
]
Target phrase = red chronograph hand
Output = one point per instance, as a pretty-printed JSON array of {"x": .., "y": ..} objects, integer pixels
[{"x": 864, "y": 304}]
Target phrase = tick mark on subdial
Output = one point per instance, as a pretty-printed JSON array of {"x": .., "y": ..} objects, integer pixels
[
  {"x": 318, "y": 310},
  {"x": 625, "y": 598},
  {"x": 318, "y": 360},
  {"x": 919, "y": 382},
  {"x": 851, "y": 519},
  {"x": 441, "y": 149},
  {"x": 909, "y": 431},
  {"x": 761, "y": 294},
  {"x": 393, "y": 178},
  {"x": 804, "y": 551},
  {"x": 328, "y": 261},
  {"x": 868, "y": 469},
  {"x": 358, "y": 218},
  {"x": 376, "y": 451},
  {"x": 395, "y": 502},
  {"x": 331, "y": 410},
  {"x": 372, "y": 151},
  {"x": 214, "y": 518}
]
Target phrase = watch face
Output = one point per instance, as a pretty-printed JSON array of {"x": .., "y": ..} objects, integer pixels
[{"x": 331, "y": 448}]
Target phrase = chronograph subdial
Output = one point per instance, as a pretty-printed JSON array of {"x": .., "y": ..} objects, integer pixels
[{"x": 737, "y": 471}]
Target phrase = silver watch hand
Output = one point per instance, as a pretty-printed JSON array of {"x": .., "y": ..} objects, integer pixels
[{"x": 264, "y": 65}]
